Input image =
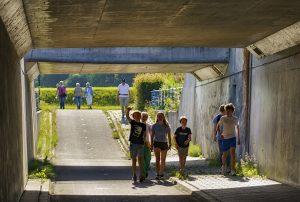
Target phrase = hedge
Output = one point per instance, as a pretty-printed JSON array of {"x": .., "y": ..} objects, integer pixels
[
  {"x": 102, "y": 96},
  {"x": 144, "y": 84}
]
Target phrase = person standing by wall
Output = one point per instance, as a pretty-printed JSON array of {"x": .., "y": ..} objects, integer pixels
[
  {"x": 216, "y": 135},
  {"x": 182, "y": 137},
  {"x": 88, "y": 94},
  {"x": 123, "y": 96},
  {"x": 161, "y": 135},
  {"x": 147, "y": 147},
  {"x": 137, "y": 141},
  {"x": 231, "y": 128},
  {"x": 78, "y": 95},
  {"x": 61, "y": 93}
]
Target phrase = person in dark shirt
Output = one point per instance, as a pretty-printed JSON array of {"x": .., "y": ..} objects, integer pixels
[
  {"x": 137, "y": 141},
  {"x": 182, "y": 138}
]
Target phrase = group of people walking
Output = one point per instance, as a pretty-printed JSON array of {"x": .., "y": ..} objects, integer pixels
[
  {"x": 227, "y": 133},
  {"x": 145, "y": 138},
  {"x": 79, "y": 94}
]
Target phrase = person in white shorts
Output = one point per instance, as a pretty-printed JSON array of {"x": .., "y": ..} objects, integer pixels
[{"x": 123, "y": 96}]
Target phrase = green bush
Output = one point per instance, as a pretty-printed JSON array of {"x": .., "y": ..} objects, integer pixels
[
  {"x": 247, "y": 166},
  {"x": 144, "y": 84},
  {"x": 195, "y": 150},
  {"x": 102, "y": 96}
]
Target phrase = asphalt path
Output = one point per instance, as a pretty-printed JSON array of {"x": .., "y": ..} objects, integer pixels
[{"x": 90, "y": 165}]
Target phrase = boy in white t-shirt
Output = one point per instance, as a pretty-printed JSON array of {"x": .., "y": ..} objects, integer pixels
[{"x": 230, "y": 128}]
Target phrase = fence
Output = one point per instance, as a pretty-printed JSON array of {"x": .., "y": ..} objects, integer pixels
[{"x": 159, "y": 97}]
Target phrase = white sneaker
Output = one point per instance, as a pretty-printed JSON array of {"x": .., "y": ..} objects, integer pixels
[
  {"x": 223, "y": 170},
  {"x": 228, "y": 170},
  {"x": 232, "y": 173}
]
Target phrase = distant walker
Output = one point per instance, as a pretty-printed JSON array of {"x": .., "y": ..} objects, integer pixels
[{"x": 123, "y": 96}]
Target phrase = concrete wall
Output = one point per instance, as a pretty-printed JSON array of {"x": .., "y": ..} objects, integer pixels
[
  {"x": 201, "y": 100},
  {"x": 268, "y": 96},
  {"x": 11, "y": 144},
  {"x": 275, "y": 115}
]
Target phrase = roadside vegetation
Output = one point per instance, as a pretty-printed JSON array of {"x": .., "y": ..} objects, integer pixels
[{"x": 195, "y": 150}]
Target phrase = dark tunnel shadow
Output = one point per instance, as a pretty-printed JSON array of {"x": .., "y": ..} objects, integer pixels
[{"x": 115, "y": 198}]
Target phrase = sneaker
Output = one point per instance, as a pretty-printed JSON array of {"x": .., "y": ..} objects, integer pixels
[
  {"x": 228, "y": 170},
  {"x": 134, "y": 178},
  {"x": 157, "y": 177},
  {"x": 232, "y": 173},
  {"x": 223, "y": 170},
  {"x": 142, "y": 179}
]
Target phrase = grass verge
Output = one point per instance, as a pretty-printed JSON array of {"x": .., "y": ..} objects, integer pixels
[
  {"x": 41, "y": 169},
  {"x": 195, "y": 150}
]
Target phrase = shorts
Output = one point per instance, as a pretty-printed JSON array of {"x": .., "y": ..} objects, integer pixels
[
  {"x": 136, "y": 150},
  {"x": 183, "y": 151},
  {"x": 124, "y": 101},
  {"x": 228, "y": 143},
  {"x": 161, "y": 145}
]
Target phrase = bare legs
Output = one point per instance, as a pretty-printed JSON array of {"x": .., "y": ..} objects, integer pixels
[{"x": 160, "y": 156}]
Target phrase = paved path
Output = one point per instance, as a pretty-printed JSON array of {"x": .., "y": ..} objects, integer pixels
[{"x": 91, "y": 166}]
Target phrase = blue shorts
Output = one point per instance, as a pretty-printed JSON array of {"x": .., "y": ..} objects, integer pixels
[
  {"x": 136, "y": 150},
  {"x": 228, "y": 143}
]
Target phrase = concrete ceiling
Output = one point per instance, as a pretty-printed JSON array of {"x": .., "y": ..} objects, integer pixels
[
  {"x": 173, "y": 23},
  {"x": 80, "y": 68}
]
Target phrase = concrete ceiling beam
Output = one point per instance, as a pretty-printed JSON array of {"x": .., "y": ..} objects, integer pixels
[
  {"x": 130, "y": 55},
  {"x": 13, "y": 16}
]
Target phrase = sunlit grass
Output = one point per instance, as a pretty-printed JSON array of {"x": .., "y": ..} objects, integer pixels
[{"x": 195, "y": 150}]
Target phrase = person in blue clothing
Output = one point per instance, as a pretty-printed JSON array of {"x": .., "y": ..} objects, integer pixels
[
  {"x": 182, "y": 137},
  {"x": 217, "y": 136},
  {"x": 88, "y": 94},
  {"x": 78, "y": 95}
]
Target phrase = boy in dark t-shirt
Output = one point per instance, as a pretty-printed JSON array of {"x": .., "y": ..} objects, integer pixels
[
  {"x": 182, "y": 138},
  {"x": 137, "y": 140}
]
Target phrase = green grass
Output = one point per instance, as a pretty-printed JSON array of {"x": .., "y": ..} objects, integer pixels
[
  {"x": 247, "y": 167},
  {"x": 179, "y": 175},
  {"x": 195, "y": 150},
  {"x": 41, "y": 169}
]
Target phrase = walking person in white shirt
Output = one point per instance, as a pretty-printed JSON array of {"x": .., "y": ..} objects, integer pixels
[{"x": 123, "y": 96}]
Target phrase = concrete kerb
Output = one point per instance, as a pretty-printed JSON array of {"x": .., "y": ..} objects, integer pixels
[
  {"x": 36, "y": 190},
  {"x": 122, "y": 142},
  {"x": 195, "y": 192}
]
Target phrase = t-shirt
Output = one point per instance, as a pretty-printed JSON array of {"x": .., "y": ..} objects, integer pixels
[
  {"x": 61, "y": 90},
  {"x": 160, "y": 132},
  {"x": 123, "y": 90},
  {"x": 216, "y": 119},
  {"x": 136, "y": 132},
  {"x": 182, "y": 135},
  {"x": 77, "y": 92},
  {"x": 229, "y": 124}
]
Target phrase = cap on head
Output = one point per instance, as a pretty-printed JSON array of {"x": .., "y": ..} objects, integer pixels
[{"x": 181, "y": 118}]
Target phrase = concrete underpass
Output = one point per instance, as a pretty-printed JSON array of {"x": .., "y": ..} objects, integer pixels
[{"x": 247, "y": 53}]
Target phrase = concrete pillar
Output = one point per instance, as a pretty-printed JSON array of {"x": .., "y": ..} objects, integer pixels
[{"x": 11, "y": 144}]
